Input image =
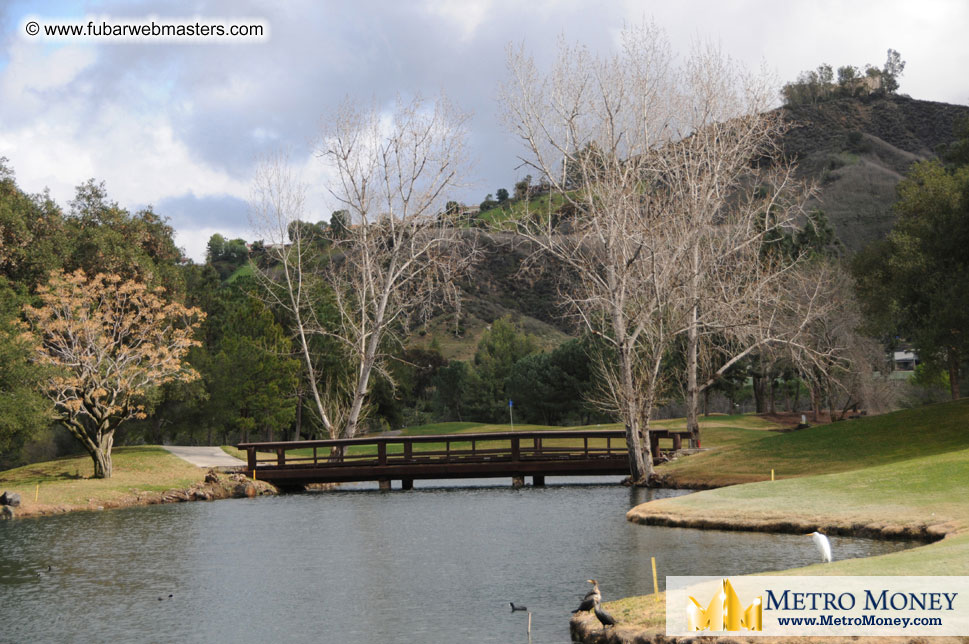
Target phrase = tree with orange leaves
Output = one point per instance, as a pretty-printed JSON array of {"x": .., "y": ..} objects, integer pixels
[{"x": 110, "y": 341}]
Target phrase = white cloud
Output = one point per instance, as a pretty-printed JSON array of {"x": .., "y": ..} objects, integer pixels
[
  {"x": 465, "y": 15},
  {"x": 158, "y": 122}
]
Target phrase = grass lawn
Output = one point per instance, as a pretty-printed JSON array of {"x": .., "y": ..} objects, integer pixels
[
  {"x": 837, "y": 447},
  {"x": 906, "y": 471},
  {"x": 440, "y": 428},
  {"x": 66, "y": 482}
]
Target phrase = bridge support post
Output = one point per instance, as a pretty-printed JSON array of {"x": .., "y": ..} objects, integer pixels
[
  {"x": 407, "y": 484},
  {"x": 538, "y": 481},
  {"x": 518, "y": 481},
  {"x": 384, "y": 485}
]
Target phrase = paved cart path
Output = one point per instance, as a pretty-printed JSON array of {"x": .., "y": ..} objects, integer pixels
[{"x": 205, "y": 456}]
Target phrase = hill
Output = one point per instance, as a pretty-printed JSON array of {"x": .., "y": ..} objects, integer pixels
[
  {"x": 494, "y": 288},
  {"x": 857, "y": 149}
]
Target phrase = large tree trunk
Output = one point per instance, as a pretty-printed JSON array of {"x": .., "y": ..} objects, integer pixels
[
  {"x": 369, "y": 359},
  {"x": 759, "y": 394},
  {"x": 816, "y": 401},
  {"x": 637, "y": 438},
  {"x": 640, "y": 464},
  {"x": 98, "y": 446},
  {"x": 771, "y": 409},
  {"x": 102, "y": 456},
  {"x": 830, "y": 391},
  {"x": 692, "y": 393}
]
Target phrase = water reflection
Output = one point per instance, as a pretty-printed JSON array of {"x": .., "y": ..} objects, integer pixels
[{"x": 437, "y": 564}]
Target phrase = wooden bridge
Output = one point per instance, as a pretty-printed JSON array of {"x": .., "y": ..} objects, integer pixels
[{"x": 293, "y": 464}]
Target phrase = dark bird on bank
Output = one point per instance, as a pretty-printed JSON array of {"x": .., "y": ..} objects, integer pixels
[
  {"x": 604, "y": 618},
  {"x": 591, "y": 598},
  {"x": 514, "y": 608}
]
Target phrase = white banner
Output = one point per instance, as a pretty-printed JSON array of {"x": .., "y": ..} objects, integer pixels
[{"x": 794, "y": 606}]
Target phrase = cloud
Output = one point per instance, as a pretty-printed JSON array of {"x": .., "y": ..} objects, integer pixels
[
  {"x": 196, "y": 219},
  {"x": 185, "y": 125},
  {"x": 219, "y": 212}
]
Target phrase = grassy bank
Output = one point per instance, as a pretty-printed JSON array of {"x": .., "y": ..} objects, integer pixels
[
  {"x": 837, "y": 447},
  {"x": 904, "y": 474},
  {"x": 143, "y": 474}
]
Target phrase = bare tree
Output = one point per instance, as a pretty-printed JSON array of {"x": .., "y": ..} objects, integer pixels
[
  {"x": 675, "y": 185},
  {"x": 735, "y": 200},
  {"x": 287, "y": 272},
  {"x": 397, "y": 256},
  {"x": 838, "y": 363},
  {"x": 593, "y": 128}
]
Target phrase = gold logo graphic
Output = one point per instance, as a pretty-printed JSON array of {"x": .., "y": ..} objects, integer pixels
[{"x": 725, "y": 612}]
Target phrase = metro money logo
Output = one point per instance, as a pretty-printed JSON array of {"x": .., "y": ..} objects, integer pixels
[{"x": 725, "y": 612}]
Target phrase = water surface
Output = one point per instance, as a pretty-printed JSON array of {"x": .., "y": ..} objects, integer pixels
[{"x": 438, "y": 564}]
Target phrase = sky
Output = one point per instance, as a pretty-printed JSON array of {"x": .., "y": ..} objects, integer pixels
[{"x": 181, "y": 126}]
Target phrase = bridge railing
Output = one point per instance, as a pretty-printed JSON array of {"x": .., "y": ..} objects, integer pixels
[{"x": 446, "y": 448}]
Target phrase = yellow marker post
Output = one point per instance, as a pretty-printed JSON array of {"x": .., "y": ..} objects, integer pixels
[
  {"x": 655, "y": 584},
  {"x": 772, "y": 474},
  {"x": 253, "y": 474},
  {"x": 37, "y": 493}
]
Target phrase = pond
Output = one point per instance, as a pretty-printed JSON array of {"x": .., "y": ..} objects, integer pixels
[{"x": 437, "y": 564}]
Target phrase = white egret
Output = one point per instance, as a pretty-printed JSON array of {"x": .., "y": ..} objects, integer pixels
[{"x": 822, "y": 544}]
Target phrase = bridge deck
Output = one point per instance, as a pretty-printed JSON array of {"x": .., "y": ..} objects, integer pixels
[{"x": 499, "y": 454}]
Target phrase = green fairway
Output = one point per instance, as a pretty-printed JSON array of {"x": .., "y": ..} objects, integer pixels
[
  {"x": 440, "y": 428},
  {"x": 838, "y": 447},
  {"x": 905, "y": 473},
  {"x": 918, "y": 494}
]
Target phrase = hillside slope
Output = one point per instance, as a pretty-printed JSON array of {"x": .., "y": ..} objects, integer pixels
[{"x": 858, "y": 149}]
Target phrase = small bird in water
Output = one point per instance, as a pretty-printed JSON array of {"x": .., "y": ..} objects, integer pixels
[
  {"x": 161, "y": 599},
  {"x": 514, "y": 608},
  {"x": 822, "y": 544},
  {"x": 591, "y": 597},
  {"x": 604, "y": 618}
]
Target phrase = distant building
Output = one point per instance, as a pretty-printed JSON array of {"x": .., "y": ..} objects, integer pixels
[
  {"x": 905, "y": 360},
  {"x": 867, "y": 84}
]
